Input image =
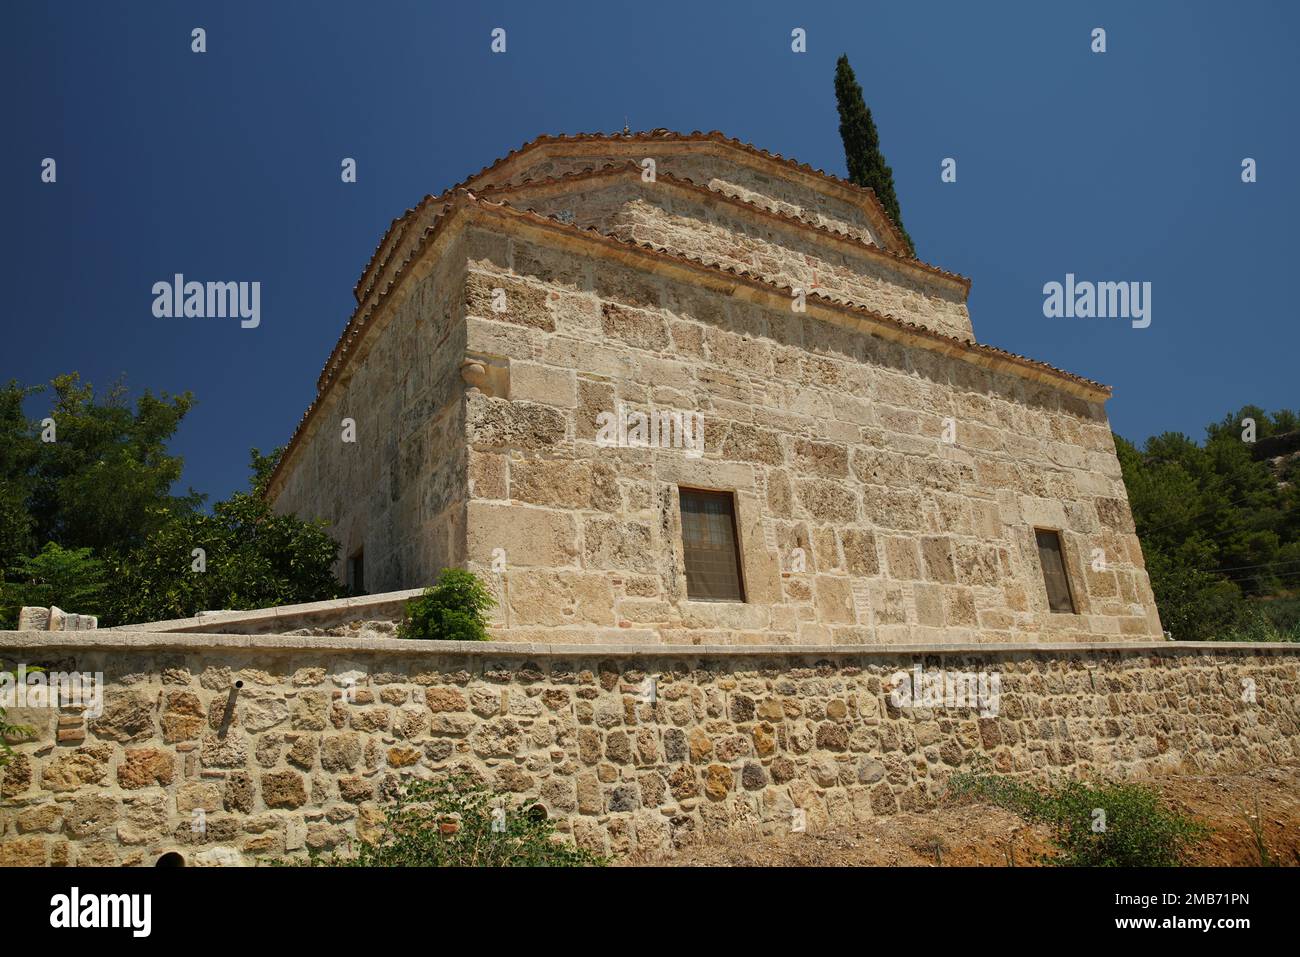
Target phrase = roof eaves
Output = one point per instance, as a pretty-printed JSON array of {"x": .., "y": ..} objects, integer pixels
[
  {"x": 715, "y": 136},
  {"x": 632, "y": 169},
  {"x": 877, "y": 208}
]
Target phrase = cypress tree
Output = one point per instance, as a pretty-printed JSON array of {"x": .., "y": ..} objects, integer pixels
[{"x": 867, "y": 166}]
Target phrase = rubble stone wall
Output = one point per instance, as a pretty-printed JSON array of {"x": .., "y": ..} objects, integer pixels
[
  {"x": 397, "y": 492},
  {"x": 303, "y": 754}
]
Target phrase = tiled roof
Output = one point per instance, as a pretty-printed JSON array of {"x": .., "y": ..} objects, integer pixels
[
  {"x": 463, "y": 199},
  {"x": 868, "y": 195},
  {"x": 632, "y": 169},
  {"x": 713, "y": 136}
]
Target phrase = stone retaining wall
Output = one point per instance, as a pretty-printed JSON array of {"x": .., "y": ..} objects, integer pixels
[{"x": 301, "y": 754}]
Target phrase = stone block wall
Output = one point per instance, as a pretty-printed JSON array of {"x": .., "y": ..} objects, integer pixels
[
  {"x": 858, "y": 522},
  {"x": 669, "y": 215},
  {"x": 724, "y": 172},
  {"x": 809, "y": 198},
  {"x": 302, "y": 755},
  {"x": 888, "y": 481},
  {"x": 397, "y": 492}
]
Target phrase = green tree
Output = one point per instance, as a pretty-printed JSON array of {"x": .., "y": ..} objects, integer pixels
[
  {"x": 114, "y": 540},
  {"x": 1218, "y": 526},
  {"x": 250, "y": 558},
  {"x": 104, "y": 482},
  {"x": 19, "y": 450},
  {"x": 71, "y": 578},
  {"x": 866, "y": 163}
]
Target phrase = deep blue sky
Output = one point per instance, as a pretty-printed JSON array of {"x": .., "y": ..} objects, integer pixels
[{"x": 225, "y": 166}]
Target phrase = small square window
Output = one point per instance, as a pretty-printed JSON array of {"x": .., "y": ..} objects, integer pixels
[
  {"x": 357, "y": 572},
  {"x": 1052, "y": 558},
  {"x": 711, "y": 546}
]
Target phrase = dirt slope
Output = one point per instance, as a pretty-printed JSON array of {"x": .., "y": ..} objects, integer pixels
[{"x": 986, "y": 836}]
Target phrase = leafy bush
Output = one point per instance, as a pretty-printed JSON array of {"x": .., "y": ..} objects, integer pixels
[
  {"x": 1194, "y": 605},
  {"x": 1134, "y": 828},
  {"x": 449, "y": 823},
  {"x": 1281, "y": 615},
  {"x": 452, "y": 609},
  {"x": 1257, "y": 625}
]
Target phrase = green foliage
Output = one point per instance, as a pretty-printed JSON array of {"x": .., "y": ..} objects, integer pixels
[
  {"x": 19, "y": 451},
  {"x": 114, "y": 541},
  {"x": 867, "y": 166},
  {"x": 1282, "y": 613},
  {"x": 449, "y": 823},
  {"x": 263, "y": 467},
  {"x": 1133, "y": 828},
  {"x": 70, "y": 507},
  {"x": 1258, "y": 625},
  {"x": 452, "y": 609},
  {"x": 1220, "y": 529},
  {"x": 1194, "y": 605},
  {"x": 254, "y": 559},
  {"x": 71, "y": 578},
  {"x": 104, "y": 483}
]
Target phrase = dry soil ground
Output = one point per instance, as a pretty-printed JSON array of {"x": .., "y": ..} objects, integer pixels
[{"x": 976, "y": 834}]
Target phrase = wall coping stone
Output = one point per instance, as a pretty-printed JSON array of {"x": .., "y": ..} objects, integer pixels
[
  {"x": 377, "y": 604},
  {"x": 122, "y": 639}
]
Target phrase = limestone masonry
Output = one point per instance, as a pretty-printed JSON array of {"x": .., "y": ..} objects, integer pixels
[
  {"x": 739, "y": 475},
  {"x": 887, "y": 479},
  {"x": 301, "y": 756}
]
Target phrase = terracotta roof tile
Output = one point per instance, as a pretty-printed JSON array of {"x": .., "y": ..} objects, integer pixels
[{"x": 713, "y": 136}]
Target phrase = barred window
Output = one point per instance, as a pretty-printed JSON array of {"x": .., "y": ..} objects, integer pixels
[
  {"x": 1051, "y": 557},
  {"x": 711, "y": 545}
]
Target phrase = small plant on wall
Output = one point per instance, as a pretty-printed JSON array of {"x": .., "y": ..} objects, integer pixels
[
  {"x": 458, "y": 822},
  {"x": 11, "y": 731},
  {"x": 452, "y": 609}
]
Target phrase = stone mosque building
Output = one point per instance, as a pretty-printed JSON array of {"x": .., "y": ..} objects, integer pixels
[
  {"x": 672, "y": 387},
  {"x": 749, "y": 494}
]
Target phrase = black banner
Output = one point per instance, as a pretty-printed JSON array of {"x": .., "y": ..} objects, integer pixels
[{"x": 340, "y": 906}]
